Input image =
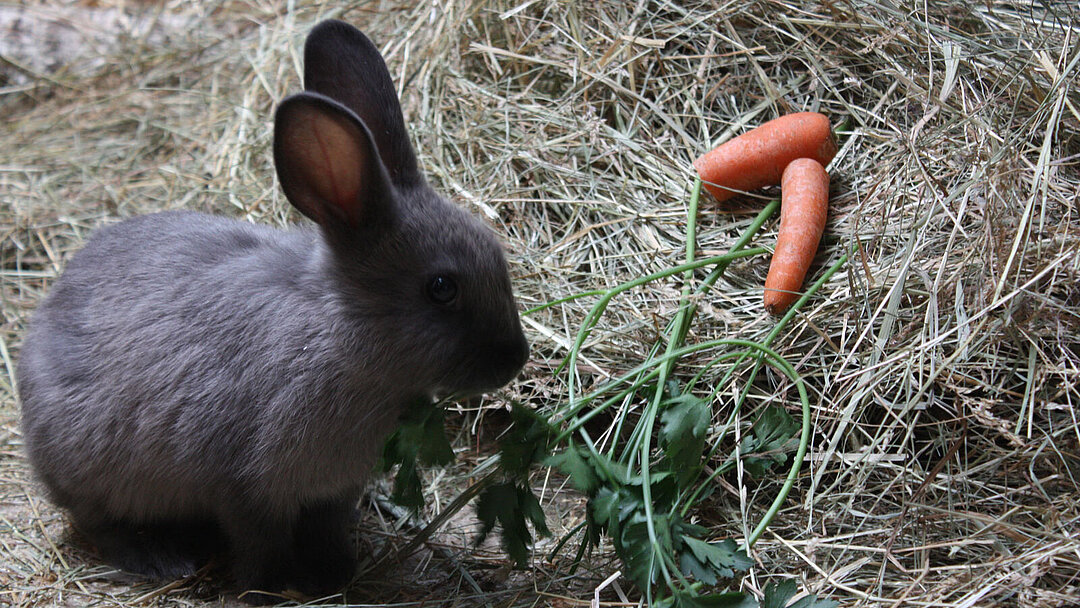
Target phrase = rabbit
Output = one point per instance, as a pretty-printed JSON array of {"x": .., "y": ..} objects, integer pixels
[{"x": 195, "y": 384}]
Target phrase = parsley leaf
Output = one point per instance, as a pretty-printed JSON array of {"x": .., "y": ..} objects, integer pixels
[
  {"x": 778, "y": 594},
  {"x": 773, "y": 429},
  {"x": 511, "y": 506},
  {"x": 419, "y": 439},
  {"x": 682, "y": 435}
]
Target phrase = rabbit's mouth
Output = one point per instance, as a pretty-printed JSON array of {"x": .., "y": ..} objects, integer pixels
[
  {"x": 479, "y": 383},
  {"x": 486, "y": 369}
]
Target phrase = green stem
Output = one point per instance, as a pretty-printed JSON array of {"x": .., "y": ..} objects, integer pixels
[
  {"x": 594, "y": 315},
  {"x": 793, "y": 473},
  {"x": 681, "y": 325},
  {"x": 751, "y": 231},
  {"x": 570, "y": 298}
]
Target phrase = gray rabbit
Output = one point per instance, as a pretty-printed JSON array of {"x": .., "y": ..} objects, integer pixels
[{"x": 195, "y": 384}]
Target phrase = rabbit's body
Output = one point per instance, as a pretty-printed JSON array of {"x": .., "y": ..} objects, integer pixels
[
  {"x": 194, "y": 381},
  {"x": 207, "y": 286}
]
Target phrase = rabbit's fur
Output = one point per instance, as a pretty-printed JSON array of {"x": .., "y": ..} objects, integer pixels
[{"x": 194, "y": 383}]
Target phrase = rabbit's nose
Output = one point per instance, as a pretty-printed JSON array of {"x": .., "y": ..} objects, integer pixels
[
  {"x": 521, "y": 352},
  {"x": 512, "y": 355},
  {"x": 509, "y": 357},
  {"x": 524, "y": 352}
]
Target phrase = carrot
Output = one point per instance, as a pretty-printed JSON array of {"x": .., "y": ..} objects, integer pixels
[
  {"x": 804, "y": 203},
  {"x": 757, "y": 158}
]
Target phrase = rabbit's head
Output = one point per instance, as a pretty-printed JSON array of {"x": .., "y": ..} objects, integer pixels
[{"x": 427, "y": 282}]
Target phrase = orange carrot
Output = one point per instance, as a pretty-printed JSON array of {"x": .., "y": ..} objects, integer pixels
[
  {"x": 757, "y": 158},
  {"x": 804, "y": 203}
]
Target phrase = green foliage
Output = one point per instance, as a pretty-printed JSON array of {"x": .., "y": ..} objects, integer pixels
[
  {"x": 711, "y": 600},
  {"x": 575, "y": 463},
  {"x": 641, "y": 492},
  {"x": 682, "y": 435},
  {"x": 763, "y": 448},
  {"x": 705, "y": 561},
  {"x": 511, "y": 506},
  {"x": 527, "y": 442},
  {"x": 419, "y": 440},
  {"x": 643, "y": 488},
  {"x": 617, "y": 506},
  {"x": 778, "y": 594},
  {"x": 650, "y": 535}
]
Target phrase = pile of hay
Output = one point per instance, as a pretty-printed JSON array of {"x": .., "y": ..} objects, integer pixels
[{"x": 943, "y": 360}]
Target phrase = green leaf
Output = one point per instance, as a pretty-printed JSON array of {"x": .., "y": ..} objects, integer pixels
[
  {"x": 682, "y": 435},
  {"x": 699, "y": 569},
  {"x": 420, "y": 435},
  {"x": 682, "y": 530},
  {"x": 639, "y": 555},
  {"x": 577, "y": 466},
  {"x": 763, "y": 449},
  {"x": 419, "y": 439},
  {"x": 663, "y": 490},
  {"x": 435, "y": 449},
  {"x": 714, "y": 600},
  {"x": 672, "y": 389},
  {"x": 527, "y": 442},
  {"x": 408, "y": 491},
  {"x": 811, "y": 601},
  {"x": 611, "y": 472},
  {"x": 778, "y": 594},
  {"x": 531, "y": 509},
  {"x": 719, "y": 559},
  {"x": 620, "y": 512},
  {"x": 511, "y": 507},
  {"x": 604, "y": 507}
]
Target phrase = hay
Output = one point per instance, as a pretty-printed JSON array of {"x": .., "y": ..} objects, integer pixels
[{"x": 944, "y": 359}]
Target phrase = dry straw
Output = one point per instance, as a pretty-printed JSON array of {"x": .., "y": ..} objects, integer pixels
[{"x": 943, "y": 360}]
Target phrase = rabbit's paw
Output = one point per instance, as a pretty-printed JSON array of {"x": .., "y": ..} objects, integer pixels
[
  {"x": 327, "y": 575},
  {"x": 162, "y": 552},
  {"x": 325, "y": 554}
]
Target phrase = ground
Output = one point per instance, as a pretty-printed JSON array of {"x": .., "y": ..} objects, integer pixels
[{"x": 941, "y": 360}]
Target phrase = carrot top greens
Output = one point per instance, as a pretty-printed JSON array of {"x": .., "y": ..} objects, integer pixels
[{"x": 643, "y": 486}]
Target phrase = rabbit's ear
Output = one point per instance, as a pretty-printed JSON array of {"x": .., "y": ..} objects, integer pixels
[
  {"x": 343, "y": 64},
  {"x": 328, "y": 165}
]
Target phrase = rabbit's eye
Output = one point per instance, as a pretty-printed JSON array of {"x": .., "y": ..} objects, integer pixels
[{"x": 442, "y": 290}]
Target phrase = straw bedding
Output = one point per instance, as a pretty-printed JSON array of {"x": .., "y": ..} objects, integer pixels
[{"x": 943, "y": 359}]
